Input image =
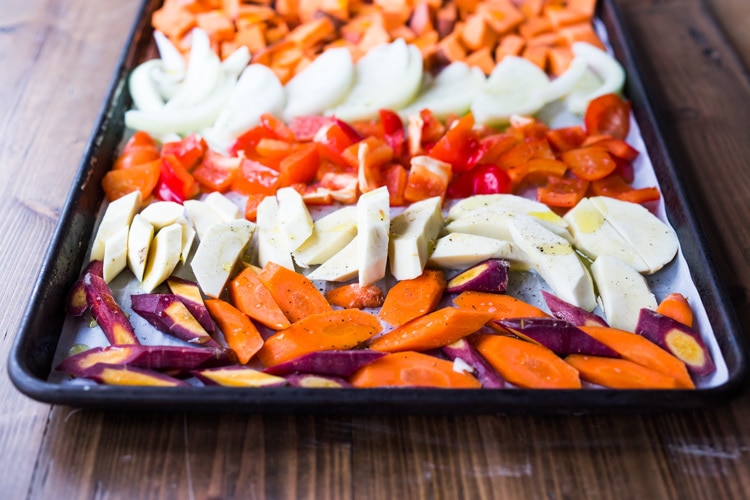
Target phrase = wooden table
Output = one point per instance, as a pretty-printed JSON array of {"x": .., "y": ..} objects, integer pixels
[{"x": 56, "y": 60}]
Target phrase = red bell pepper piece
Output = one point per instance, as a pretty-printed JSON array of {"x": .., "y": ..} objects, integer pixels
[
  {"x": 458, "y": 146},
  {"x": 393, "y": 131},
  {"x": 175, "y": 182},
  {"x": 189, "y": 150},
  {"x": 615, "y": 187},
  {"x": 482, "y": 179},
  {"x": 608, "y": 114},
  {"x": 562, "y": 192}
]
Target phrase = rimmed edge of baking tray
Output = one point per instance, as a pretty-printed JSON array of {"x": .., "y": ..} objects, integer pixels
[{"x": 32, "y": 354}]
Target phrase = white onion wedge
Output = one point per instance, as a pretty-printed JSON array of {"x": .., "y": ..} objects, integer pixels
[
  {"x": 321, "y": 85},
  {"x": 143, "y": 88},
  {"x": 451, "y": 92},
  {"x": 515, "y": 87},
  {"x": 607, "y": 72}
]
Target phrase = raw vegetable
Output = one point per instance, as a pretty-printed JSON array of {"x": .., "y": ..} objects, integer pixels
[
  {"x": 490, "y": 276},
  {"x": 412, "y": 369},
  {"x": 240, "y": 333},
  {"x": 76, "y": 303},
  {"x": 128, "y": 375},
  {"x": 527, "y": 365},
  {"x": 676, "y": 306},
  {"x": 570, "y": 313},
  {"x": 559, "y": 336},
  {"x": 109, "y": 316},
  {"x": 336, "y": 363},
  {"x": 433, "y": 330},
  {"x": 294, "y": 293},
  {"x": 190, "y": 294},
  {"x": 250, "y": 296},
  {"x": 311, "y": 381},
  {"x": 162, "y": 358},
  {"x": 330, "y": 330},
  {"x": 638, "y": 349},
  {"x": 169, "y": 315},
  {"x": 410, "y": 299},
  {"x": 355, "y": 296},
  {"x": 238, "y": 376},
  {"x": 501, "y": 306},
  {"x": 681, "y": 340},
  {"x": 479, "y": 367},
  {"x": 619, "y": 373}
]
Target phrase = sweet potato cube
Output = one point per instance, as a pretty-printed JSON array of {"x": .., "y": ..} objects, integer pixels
[
  {"x": 107, "y": 313},
  {"x": 562, "y": 16},
  {"x": 534, "y": 27},
  {"x": 476, "y": 34},
  {"x": 421, "y": 19},
  {"x": 446, "y": 19},
  {"x": 501, "y": 15},
  {"x": 169, "y": 315},
  {"x": 510, "y": 45},
  {"x": 582, "y": 32},
  {"x": 559, "y": 59},
  {"x": 482, "y": 59},
  {"x": 216, "y": 24},
  {"x": 174, "y": 20}
]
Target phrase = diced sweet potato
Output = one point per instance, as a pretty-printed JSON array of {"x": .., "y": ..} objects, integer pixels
[
  {"x": 169, "y": 315},
  {"x": 111, "y": 319}
]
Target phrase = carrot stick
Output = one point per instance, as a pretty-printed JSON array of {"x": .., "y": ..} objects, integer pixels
[
  {"x": 676, "y": 306},
  {"x": 251, "y": 297},
  {"x": 293, "y": 292},
  {"x": 640, "y": 350},
  {"x": 355, "y": 296},
  {"x": 501, "y": 306},
  {"x": 337, "y": 329},
  {"x": 436, "y": 329},
  {"x": 619, "y": 373},
  {"x": 412, "y": 369},
  {"x": 239, "y": 332},
  {"x": 527, "y": 365},
  {"x": 410, "y": 299}
]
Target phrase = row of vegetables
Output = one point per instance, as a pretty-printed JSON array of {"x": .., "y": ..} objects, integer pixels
[{"x": 405, "y": 196}]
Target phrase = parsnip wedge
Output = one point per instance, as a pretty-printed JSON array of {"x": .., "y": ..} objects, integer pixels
[
  {"x": 373, "y": 224},
  {"x": 117, "y": 215},
  {"x": 556, "y": 261},
  {"x": 139, "y": 241},
  {"x": 412, "y": 233},
  {"x": 163, "y": 256},
  {"x": 162, "y": 213},
  {"x": 218, "y": 253},
  {"x": 202, "y": 215},
  {"x": 225, "y": 207},
  {"x": 623, "y": 292},
  {"x": 294, "y": 218},
  {"x": 340, "y": 267},
  {"x": 461, "y": 250},
  {"x": 272, "y": 241},
  {"x": 330, "y": 234}
]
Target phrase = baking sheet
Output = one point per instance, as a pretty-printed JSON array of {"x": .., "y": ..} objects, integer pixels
[{"x": 40, "y": 345}]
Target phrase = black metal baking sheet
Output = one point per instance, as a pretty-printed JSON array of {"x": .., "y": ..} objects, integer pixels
[{"x": 31, "y": 359}]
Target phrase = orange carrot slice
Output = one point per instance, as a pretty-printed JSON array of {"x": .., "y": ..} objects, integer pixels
[
  {"x": 619, "y": 373},
  {"x": 412, "y": 369},
  {"x": 436, "y": 329},
  {"x": 339, "y": 329},
  {"x": 355, "y": 296},
  {"x": 638, "y": 349},
  {"x": 527, "y": 365},
  {"x": 251, "y": 297},
  {"x": 293, "y": 292},
  {"x": 410, "y": 299},
  {"x": 499, "y": 305},
  {"x": 239, "y": 332},
  {"x": 676, "y": 306}
]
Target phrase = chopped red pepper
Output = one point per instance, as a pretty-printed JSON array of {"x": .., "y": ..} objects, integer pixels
[
  {"x": 188, "y": 151},
  {"x": 276, "y": 128},
  {"x": 615, "y": 187},
  {"x": 591, "y": 163},
  {"x": 458, "y": 146},
  {"x": 608, "y": 114},
  {"x": 255, "y": 178},
  {"x": 482, "y": 179},
  {"x": 175, "y": 182},
  {"x": 562, "y": 192},
  {"x": 304, "y": 128},
  {"x": 300, "y": 166},
  {"x": 393, "y": 131}
]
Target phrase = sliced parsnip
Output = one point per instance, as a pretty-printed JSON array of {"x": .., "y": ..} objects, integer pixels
[
  {"x": 556, "y": 261},
  {"x": 494, "y": 224},
  {"x": 162, "y": 213},
  {"x": 118, "y": 214},
  {"x": 188, "y": 237},
  {"x": 294, "y": 218},
  {"x": 115, "y": 254},
  {"x": 412, "y": 233},
  {"x": 461, "y": 250},
  {"x": 330, "y": 234},
  {"x": 341, "y": 267},
  {"x": 139, "y": 241},
  {"x": 226, "y": 208},
  {"x": 218, "y": 253},
  {"x": 623, "y": 292},
  {"x": 653, "y": 240},
  {"x": 595, "y": 236},
  {"x": 163, "y": 256},
  {"x": 272, "y": 241},
  {"x": 373, "y": 224},
  {"x": 202, "y": 216},
  {"x": 515, "y": 87},
  {"x": 508, "y": 203}
]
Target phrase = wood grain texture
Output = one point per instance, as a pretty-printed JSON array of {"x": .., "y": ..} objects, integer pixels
[{"x": 56, "y": 58}]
